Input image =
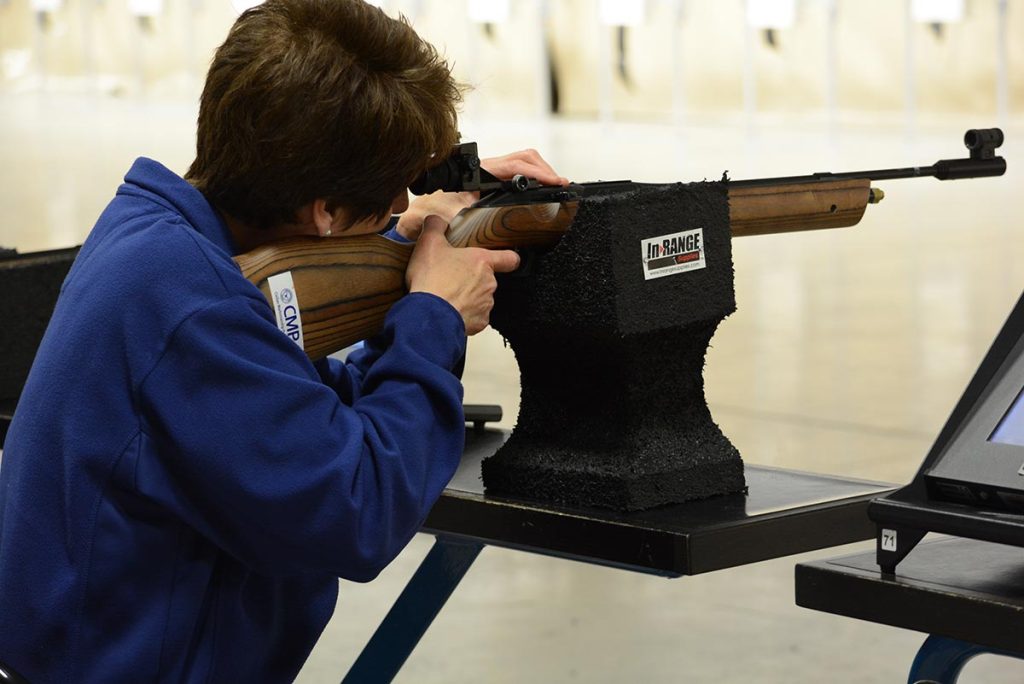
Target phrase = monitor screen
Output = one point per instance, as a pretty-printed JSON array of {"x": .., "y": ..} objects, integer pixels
[{"x": 1010, "y": 429}]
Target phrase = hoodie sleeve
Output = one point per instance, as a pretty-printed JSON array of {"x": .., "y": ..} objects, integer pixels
[{"x": 256, "y": 452}]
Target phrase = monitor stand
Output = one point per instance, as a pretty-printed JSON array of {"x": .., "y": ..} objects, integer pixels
[{"x": 974, "y": 510}]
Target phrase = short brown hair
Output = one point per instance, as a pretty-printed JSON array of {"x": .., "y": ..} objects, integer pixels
[{"x": 310, "y": 99}]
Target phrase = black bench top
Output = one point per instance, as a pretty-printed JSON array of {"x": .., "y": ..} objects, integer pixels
[
  {"x": 959, "y": 588},
  {"x": 784, "y": 512}
]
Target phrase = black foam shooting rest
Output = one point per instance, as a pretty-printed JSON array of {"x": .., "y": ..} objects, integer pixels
[{"x": 784, "y": 512}]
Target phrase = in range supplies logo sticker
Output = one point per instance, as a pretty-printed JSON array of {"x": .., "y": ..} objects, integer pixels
[
  {"x": 286, "y": 306},
  {"x": 670, "y": 254}
]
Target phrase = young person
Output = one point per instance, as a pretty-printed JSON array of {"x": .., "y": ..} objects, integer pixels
[{"x": 181, "y": 487}]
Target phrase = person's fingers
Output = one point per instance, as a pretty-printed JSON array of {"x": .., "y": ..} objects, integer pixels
[
  {"x": 434, "y": 227},
  {"x": 503, "y": 260},
  {"x": 544, "y": 171},
  {"x": 533, "y": 157},
  {"x": 544, "y": 176},
  {"x": 408, "y": 229},
  {"x": 527, "y": 162}
]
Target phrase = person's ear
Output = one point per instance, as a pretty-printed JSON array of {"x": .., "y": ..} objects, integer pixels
[{"x": 326, "y": 222}]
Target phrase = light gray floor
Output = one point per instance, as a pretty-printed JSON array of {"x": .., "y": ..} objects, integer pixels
[{"x": 847, "y": 352}]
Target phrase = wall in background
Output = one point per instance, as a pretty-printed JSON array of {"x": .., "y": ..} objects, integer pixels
[{"x": 683, "y": 58}]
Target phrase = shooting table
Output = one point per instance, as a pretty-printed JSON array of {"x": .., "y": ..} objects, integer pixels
[
  {"x": 784, "y": 512},
  {"x": 967, "y": 594}
]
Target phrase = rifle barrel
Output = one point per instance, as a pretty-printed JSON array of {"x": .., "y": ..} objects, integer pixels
[{"x": 945, "y": 169}]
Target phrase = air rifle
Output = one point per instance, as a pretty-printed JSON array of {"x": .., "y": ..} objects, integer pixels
[{"x": 328, "y": 293}]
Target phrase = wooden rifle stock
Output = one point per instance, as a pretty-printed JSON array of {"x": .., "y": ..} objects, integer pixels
[
  {"x": 762, "y": 210},
  {"x": 344, "y": 286}
]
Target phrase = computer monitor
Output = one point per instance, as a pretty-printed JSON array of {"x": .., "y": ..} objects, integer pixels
[
  {"x": 983, "y": 464},
  {"x": 1010, "y": 429}
]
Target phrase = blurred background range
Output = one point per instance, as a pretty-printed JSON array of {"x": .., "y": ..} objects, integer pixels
[{"x": 848, "y": 349}]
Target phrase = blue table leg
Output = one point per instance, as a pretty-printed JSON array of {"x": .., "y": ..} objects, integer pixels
[
  {"x": 940, "y": 659},
  {"x": 413, "y": 611}
]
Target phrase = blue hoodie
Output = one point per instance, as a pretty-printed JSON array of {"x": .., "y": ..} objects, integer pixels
[{"x": 181, "y": 487}]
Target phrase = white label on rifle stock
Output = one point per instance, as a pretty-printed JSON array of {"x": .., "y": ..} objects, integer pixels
[
  {"x": 670, "y": 254},
  {"x": 286, "y": 306}
]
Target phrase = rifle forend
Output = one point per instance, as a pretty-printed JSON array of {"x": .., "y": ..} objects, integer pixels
[{"x": 344, "y": 286}]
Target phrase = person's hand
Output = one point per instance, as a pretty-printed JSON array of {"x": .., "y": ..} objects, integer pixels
[
  {"x": 525, "y": 162},
  {"x": 463, "y": 277},
  {"x": 443, "y": 204},
  {"x": 448, "y": 204}
]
